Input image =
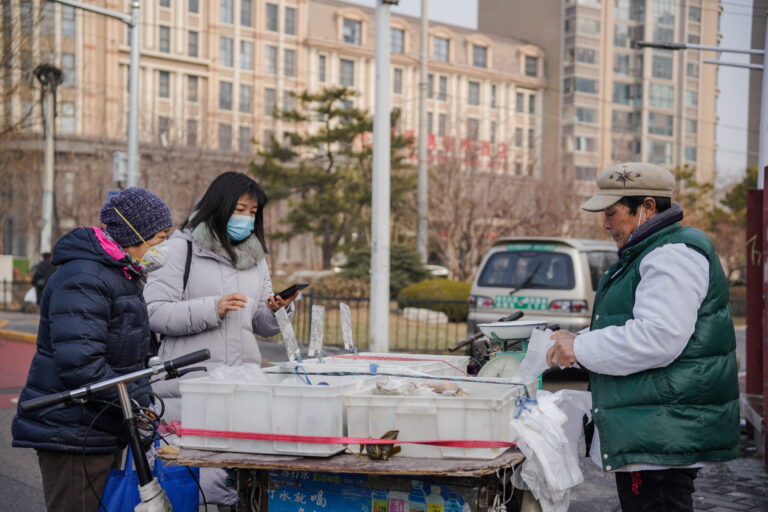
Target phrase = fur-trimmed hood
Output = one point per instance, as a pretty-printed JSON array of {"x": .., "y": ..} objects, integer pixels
[{"x": 249, "y": 252}]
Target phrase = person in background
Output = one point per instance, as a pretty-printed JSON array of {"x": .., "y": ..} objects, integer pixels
[
  {"x": 660, "y": 350},
  {"x": 41, "y": 273},
  {"x": 93, "y": 327},
  {"x": 227, "y": 297}
]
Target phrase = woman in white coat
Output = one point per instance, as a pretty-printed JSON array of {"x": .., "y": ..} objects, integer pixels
[{"x": 228, "y": 296}]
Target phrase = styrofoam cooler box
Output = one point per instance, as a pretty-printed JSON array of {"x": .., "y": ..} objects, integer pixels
[
  {"x": 284, "y": 405},
  {"x": 431, "y": 364},
  {"x": 482, "y": 415}
]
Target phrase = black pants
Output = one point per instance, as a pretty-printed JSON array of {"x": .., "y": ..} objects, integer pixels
[
  {"x": 668, "y": 490},
  {"x": 65, "y": 485}
]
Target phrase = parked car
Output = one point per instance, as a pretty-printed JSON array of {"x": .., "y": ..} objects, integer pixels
[{"x": 549, "y": 279}]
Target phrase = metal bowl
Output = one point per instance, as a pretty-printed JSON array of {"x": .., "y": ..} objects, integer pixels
[{"x": 518, "y": 330}]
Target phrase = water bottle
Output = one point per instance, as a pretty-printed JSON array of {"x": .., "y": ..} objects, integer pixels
[
  {"x": 452, "y": 503},
  {"x": 417, "y": 500},
  {"x": 379, "y": 501},
  {"x": 435, "y": 502}
]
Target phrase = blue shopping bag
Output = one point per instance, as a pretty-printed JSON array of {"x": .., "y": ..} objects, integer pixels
[{"x": 121, "y": 493}]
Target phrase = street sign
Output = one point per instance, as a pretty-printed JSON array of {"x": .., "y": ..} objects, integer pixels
[{"x": 119, "y": 166}]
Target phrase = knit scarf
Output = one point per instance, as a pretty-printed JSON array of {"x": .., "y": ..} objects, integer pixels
[{"x": 666, "y": 218}]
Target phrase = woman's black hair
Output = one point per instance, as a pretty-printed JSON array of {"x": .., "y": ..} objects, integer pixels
[
  {"x": 219, "y": 202},
  {"x": 634, "y": 202}
]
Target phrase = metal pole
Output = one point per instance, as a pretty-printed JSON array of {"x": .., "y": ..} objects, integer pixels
[
  {"x": 49, "y": 78},
  {"x": 132, "y": 174},
  {"x": 379, "y": 308},
  {"x": 422, "y": 239}
]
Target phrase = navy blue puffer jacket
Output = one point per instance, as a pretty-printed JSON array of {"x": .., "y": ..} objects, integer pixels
[{"x": 93, "y": 326}]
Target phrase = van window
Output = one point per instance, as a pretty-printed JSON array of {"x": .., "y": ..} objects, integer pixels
[
  {"x": 599, "y": 262},
  {"x": 511, "y": 269}
]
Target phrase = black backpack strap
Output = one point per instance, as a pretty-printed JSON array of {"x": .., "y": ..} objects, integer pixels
[{"x": 187, "y": 266}]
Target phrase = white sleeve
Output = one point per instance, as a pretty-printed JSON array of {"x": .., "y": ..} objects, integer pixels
[{"x": 673, "y": 283}]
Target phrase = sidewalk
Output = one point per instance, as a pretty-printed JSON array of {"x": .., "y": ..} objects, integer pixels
[{"x": 741, "y": 484}]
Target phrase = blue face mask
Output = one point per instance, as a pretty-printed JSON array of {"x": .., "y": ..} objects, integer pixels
[{"x": 240, "y": 227}]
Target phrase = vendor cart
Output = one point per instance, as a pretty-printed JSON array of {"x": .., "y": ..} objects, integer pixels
[{"x": 275, "y": 483}]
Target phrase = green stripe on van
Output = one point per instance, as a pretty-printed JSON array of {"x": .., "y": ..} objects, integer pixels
[
  {"x": 531, "y": 247},
  {"x": 516, "y": 302}
]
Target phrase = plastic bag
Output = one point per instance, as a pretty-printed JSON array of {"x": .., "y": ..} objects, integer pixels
[
  {"x": 31, "y": 296},
  {"x": 535, "y": 361}
]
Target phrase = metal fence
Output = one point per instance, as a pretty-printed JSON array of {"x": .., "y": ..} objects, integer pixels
[{"x": 12, "y": 296}]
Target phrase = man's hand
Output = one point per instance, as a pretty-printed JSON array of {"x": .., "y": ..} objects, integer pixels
[
  {"x": 230, "y": 302},
  {"x": 561, "y": 353}
]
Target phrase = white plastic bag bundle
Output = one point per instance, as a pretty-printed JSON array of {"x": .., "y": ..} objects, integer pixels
[
  {"x": 548, "y": 438},
  {"x": 535, "y": 361}
]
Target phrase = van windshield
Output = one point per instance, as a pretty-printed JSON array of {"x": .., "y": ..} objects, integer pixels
[{"x": 511, "y": 269}]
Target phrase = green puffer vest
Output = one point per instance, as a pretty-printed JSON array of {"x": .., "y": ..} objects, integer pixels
[{"x": 684, "y": 413}]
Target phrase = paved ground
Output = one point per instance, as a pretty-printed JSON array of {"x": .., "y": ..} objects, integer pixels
[{"x": 741, "y": 484}]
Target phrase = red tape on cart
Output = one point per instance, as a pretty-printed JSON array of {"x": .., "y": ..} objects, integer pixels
[
  {"x": 289, "y": 438},
  {"x": 390, "y": 358}
]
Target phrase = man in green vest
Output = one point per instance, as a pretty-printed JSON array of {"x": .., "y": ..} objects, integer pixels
[{"x": 660, "y": 349}]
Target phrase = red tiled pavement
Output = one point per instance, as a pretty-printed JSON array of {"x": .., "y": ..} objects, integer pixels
[{"x": 15, "y": 357}]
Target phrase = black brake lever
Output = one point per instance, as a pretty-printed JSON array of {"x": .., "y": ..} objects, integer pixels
[{"x": 175, "y": 374}]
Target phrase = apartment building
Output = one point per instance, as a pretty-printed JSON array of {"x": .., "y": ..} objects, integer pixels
[
  {"x": 213, "y": 73},
  {"x": 608, "y": 102}
]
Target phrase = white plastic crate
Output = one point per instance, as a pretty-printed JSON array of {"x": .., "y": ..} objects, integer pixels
[
  {"x": 482, "y": 415},
  {"x": 430, "y": 364},
  {"x": 285, "y": 405}
]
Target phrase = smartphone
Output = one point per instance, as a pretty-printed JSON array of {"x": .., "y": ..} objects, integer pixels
[{"x": 288, "y": 292}]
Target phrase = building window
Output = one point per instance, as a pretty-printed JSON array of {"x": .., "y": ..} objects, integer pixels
[
  {"x": 47, "y": 19},
  {"x": 691, "y": 98},
  {"x": 442, "y": 125},
  {"x": 272, "y": 18},
  {"x": 585, "y": 85},
  {"x": 587, "y": 26},
  {"x": 494, "y": 101},
  {"x": 531, "y": 139},
  {"x": 165, "y": 3},
  {"x": 67, "y": 21},
  {"x": 192, "y": 43},
  {"x": 519, "y": 137},
  {"x": 473, "y": 93},
  {"x": 586, "y": 55},
  {"x": 625, "y": 122},
  {"x": 494, "y": 127},
  {"x": 191, "y": 132},
  {"x": 531, "y": 104},
  {"x": 430, "y": 86},
  {"x": 225, "y": 137},
  {"x": 520, "y": 103},
  {"x": 694, "y": 13},
  {"x": 440, "y": 49},
  {"x": 267, "y": 138},
  {"x": 193, "y": 6},
  {"x": 164, "y": 39},
  {"x": 397, "y": 81},
  {"x": 244, "y": 100},
  {"x": 352, "y": 31},
  {"x": 584, "y": 144},
  {"x": 397, "y": 41},
  {"x": 662, "y": 64},
  {"x": 662, "y": 96},
  {"x": 246, "y": 13},
  {"x": 164, "y": 84},
  {"x": 289, "y": 101},
  {"x": 289, "y": 62},
  {"x": 226, "y": 11},
  {"x": 163, "y": 130},
  {"x": 347, "y": 72},
  {"x": 624, "y": 150},
  {"x": 225, "y": 95},
  {"x": 67, "y": 117},
  {"x": 226, "y": 53},
  {"x": 627, "y": 94},
  {"x": 473, "y": 129},
  {"x": 244, "y": 139},
  {"x": 692, "y": 69},
  {"x": 531, "y": 66},
  {"x": 430, "y": 119},
  {"x": 270, "y": 101},
  {"x": 192, "y": 82},
  {"x": 442, "y": 88},
  {"x": 585, "y": 173},
  {"x": 694, "y": 38},
  {"x": 290, "y": 21},
  {"x": 270, "y": 60},
  {"x": 246, "y": 55},
  {"x": 660, "y": 124},
  {"x": 585, "y": 115},
  {"x": 691, "y": 126},
  {"x": 659, "y": 152},
  {"x": 68, "y": 70},
  {"x": 479, "y": 56},
  {"x": 621, "y": 37},
  {"x": 322, "y": 63},
  {"x": 690, "y": 153}
]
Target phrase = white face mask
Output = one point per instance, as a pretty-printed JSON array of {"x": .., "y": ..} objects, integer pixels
[{"x": 156, "y": 256}]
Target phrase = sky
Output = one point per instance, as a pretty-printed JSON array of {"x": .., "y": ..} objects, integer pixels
[{"x": 732, "y": 104}]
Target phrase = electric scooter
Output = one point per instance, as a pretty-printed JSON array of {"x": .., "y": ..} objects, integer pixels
[{"x": 153, "y": 499}]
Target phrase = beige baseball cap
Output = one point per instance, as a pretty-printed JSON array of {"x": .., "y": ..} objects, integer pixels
[{"x": 629, "y": 179}]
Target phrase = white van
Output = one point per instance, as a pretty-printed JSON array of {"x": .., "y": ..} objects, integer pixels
[{"x": 549, "y": 279}]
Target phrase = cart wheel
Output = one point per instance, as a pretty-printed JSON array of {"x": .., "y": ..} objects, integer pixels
[{"x": 503, "y": 365}]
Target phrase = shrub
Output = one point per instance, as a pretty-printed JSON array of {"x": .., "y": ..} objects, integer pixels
[
  {"x": 339, "y": 286},
  {"x": 405, "y": 266},
  {"x": 439, "y": 289}
]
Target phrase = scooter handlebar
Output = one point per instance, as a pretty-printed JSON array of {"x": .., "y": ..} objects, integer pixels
[
  {"x": 186, "y": 360},
  {"x": 42, "y": 402}
]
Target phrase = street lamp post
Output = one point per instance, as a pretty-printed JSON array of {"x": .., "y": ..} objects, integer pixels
[{"x": 133, "y": 20}]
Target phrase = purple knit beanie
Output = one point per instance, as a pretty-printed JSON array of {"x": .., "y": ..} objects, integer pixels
[{"x": 146, "y": 212}]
